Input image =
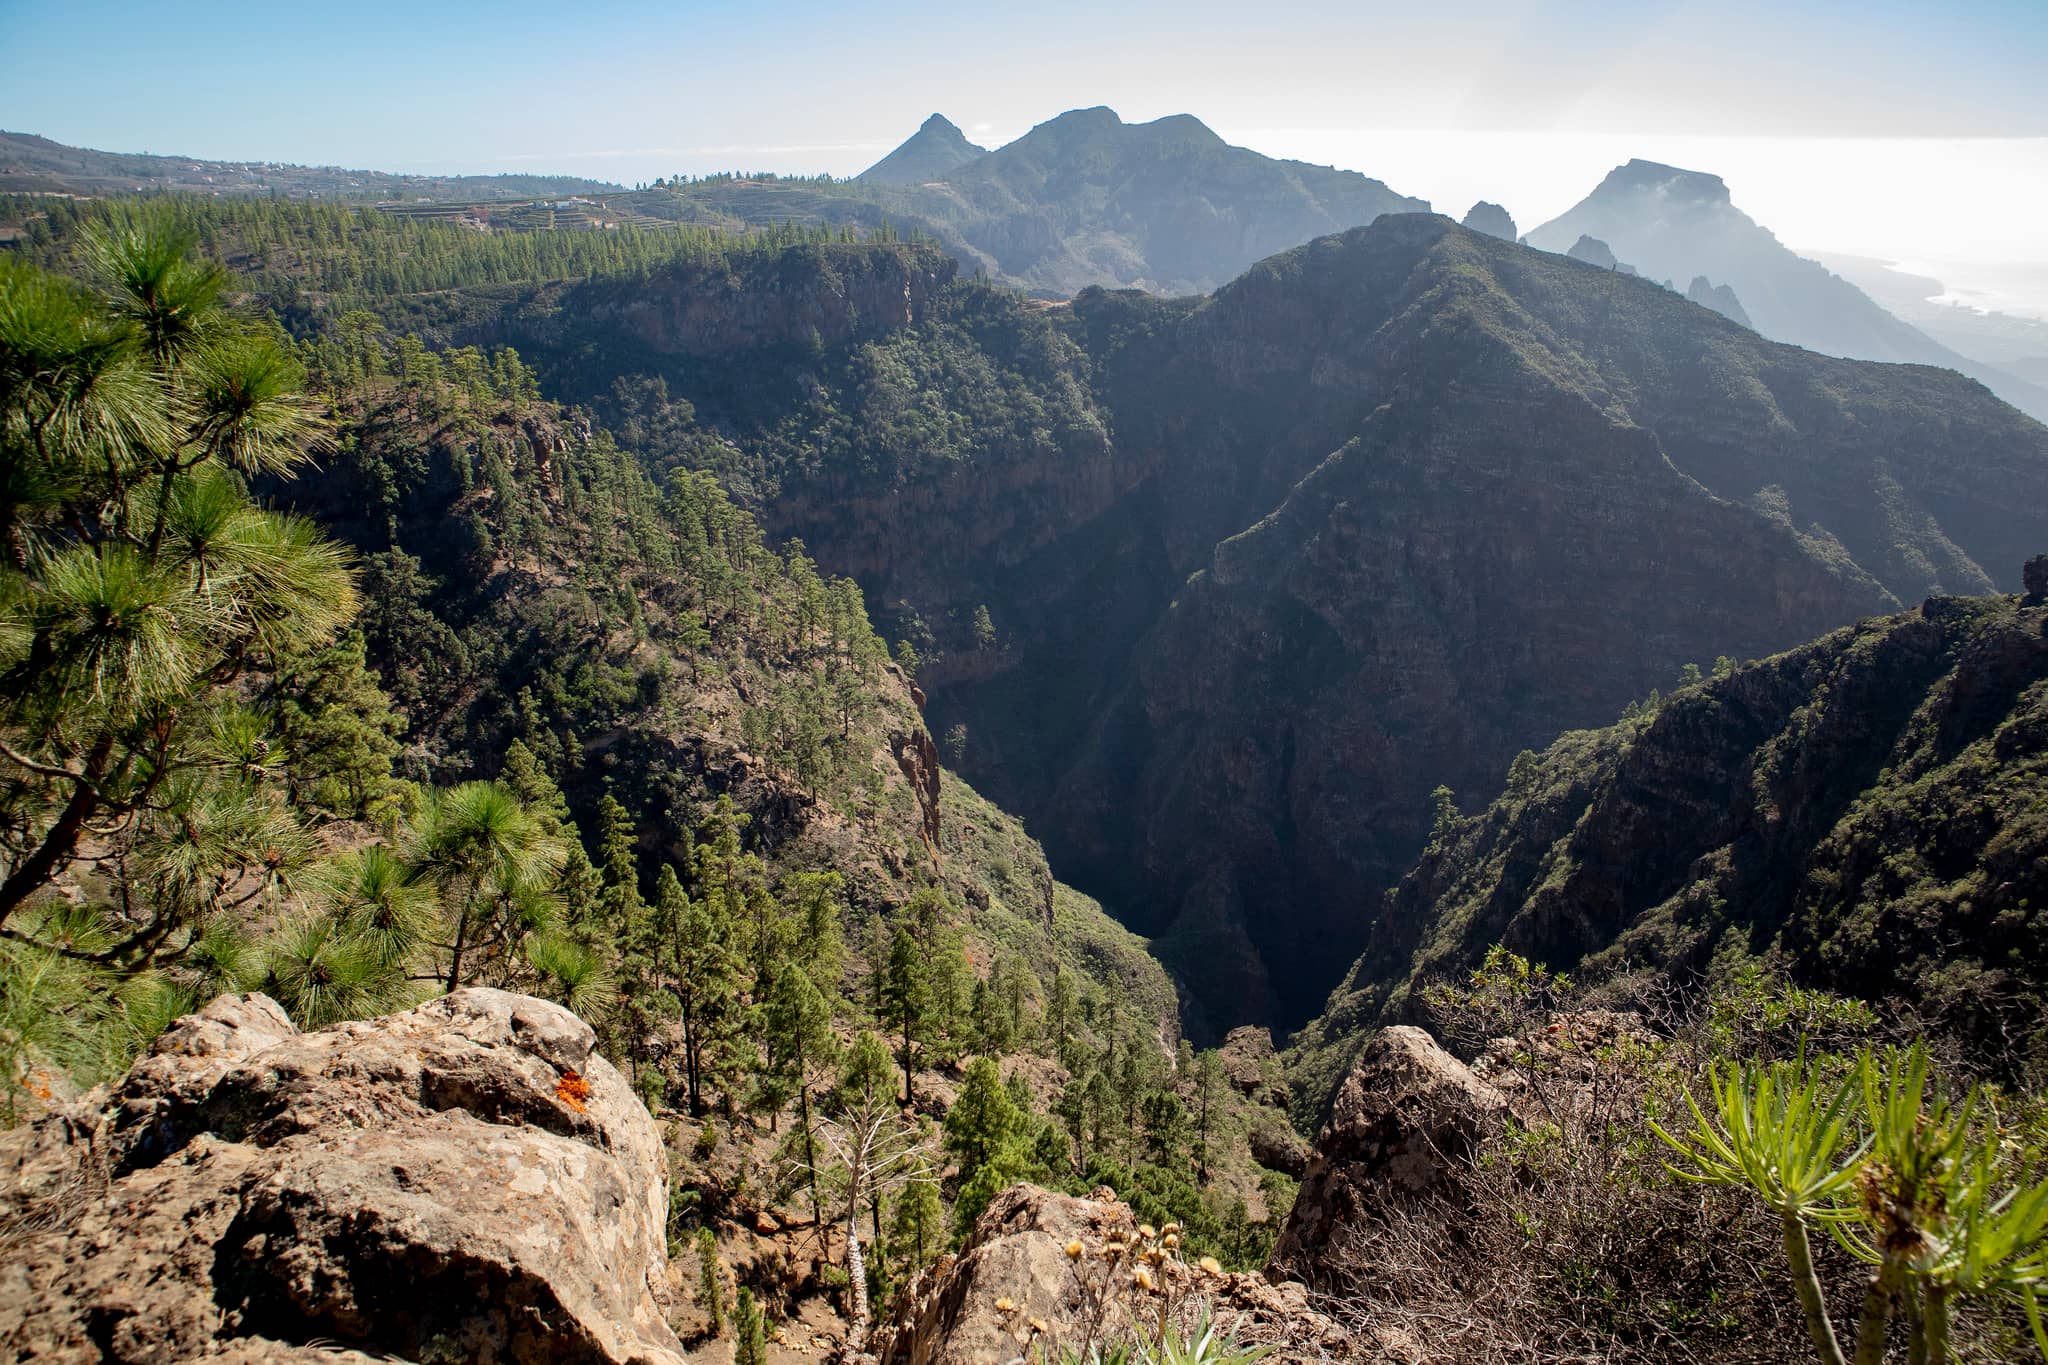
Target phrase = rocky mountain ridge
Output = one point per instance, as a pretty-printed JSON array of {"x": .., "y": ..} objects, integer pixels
[
  {"x": 1862, "y": 813},
  {"x": 1674, "y": 224},
  {"x": 1236, "y": 639}
]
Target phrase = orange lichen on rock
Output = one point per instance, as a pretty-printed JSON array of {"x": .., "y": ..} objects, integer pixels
[{"x": 572, "y": 1090}]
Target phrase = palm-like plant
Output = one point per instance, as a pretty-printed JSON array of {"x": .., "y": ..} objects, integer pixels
[
  {"x": 1780, "y": 1132},
  {"x": 381, "y": 903},
  {"x": 572, "y": 974},
  {"x": 1924, "y": 1195}
]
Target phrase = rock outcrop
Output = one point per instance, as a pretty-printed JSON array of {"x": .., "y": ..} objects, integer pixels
[
  {"x": 1720, "y": 298},
  {"x": 1015, "y": 1287},
  {"x": 1253, "y": 1068},
  {"x": 1404, "y": 1120},
  {"x": 1491, "y": 219},
  {"x": 1675, "y": 224},
  {"x": 1595, "y": 252},
  {"x": 466, "y": 1180},
  {"x": 811, "y": 296}
]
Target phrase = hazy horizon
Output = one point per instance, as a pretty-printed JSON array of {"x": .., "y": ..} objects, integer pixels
[{"x": 1881, "y": 129}]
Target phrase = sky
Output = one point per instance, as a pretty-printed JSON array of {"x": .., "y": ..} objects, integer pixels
[{"x": 1915, "y": 132}]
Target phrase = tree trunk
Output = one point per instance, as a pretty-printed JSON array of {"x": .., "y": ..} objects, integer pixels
[
  {"x": 43, "y": 864},
  {"x": 455, "y": 953},
  {"x": 909, "y": 1100},
  {"x": 1934, "y": 1324},
  {"x": 856, "y": 1272},
  {"x": 1800, "y": 1254},
  {"x": 1877, "y": 1309},
  {"x": 803, "y": 1104}
]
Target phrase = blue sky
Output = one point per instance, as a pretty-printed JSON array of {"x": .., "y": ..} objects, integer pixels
[{"x": 1434, "y": 99}]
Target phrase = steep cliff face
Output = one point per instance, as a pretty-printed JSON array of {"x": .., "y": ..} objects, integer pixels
[
  {"x": 1491, "y": 219},
  {"x": 807, "y": 296},
  {"x": 1417, "y": 499},
  {"x": 527, "y": 580},
  {"x": 1866, "y": 811}
]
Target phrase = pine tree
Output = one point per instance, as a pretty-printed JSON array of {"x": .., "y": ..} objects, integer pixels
[
  {"x": 618, "y": 860},
  {"x": 710, "y": 1282},
  {"x": 906, "y": 993},
  {"x": 866, "y": 1074},
  {"x": 749, "y": 1330},
  {"x": 1166, "y": 1129},
  {"x": 918, "y": 1228},
  {"x": 993, "y": 1033},
  {"x": 813, "y": 901},
  {"x": 536, "y": 790},
  {"x": 982, "y": 1131},
  {"x": 142, "y": 577},
  {"x": 799, "y": 1030},
  {"x": 495, "y": 869},
  {"x": 1060, "y": 1009},
  {"x": 1208, "y": 1107},
  {"x": 700, "y": 970},
  {"x": 982, "y": 1120},
  {"x": 337, "y": 728}
]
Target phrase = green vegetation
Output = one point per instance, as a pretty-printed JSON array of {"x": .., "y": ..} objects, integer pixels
[
  {"x": 1927, "y": 1195},
  {"x": 1764, "y": 1172},
  {"x": 289, "y": 251},
  {"x": 563, "y": 724},
  {"x": 1864, "y": 814}
]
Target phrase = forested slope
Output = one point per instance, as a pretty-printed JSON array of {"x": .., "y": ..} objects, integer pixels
[{"x": 1867, "y": 814}]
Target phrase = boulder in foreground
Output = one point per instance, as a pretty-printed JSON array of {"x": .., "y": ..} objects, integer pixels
[{"x": 467, "y": 1180}]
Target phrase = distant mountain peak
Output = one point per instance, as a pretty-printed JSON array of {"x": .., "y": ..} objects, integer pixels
[
  {"x": 1094, "y": 116},
  {"x": 1639, "y": 175},
  {"x": 1595, "y": 252},
  {"x": 1188, "y": 128},
  {"x": 934, "y": 151},
  {"x": 1720, "y": 298},
  {"x": 1674, "y": 224}
]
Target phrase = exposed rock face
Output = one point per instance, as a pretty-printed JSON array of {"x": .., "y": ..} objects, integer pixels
[
  {"x": 918, "y": 758},
  {"x": 1718, "y": 297},
  {"x": 1253, "y": 1066},
  {"x": 1390, "y": 525},
  {"x": 1377, "y": 515},
  {"x": 948, "y": 1313},
  {"x": 1491, "y": 219},
  {"x": 466, "y": 1180},
  {"x": 1595, "y": 252},
  {"x": 1406, "y": 1116},
  {"x": 815, "y": 295}
]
